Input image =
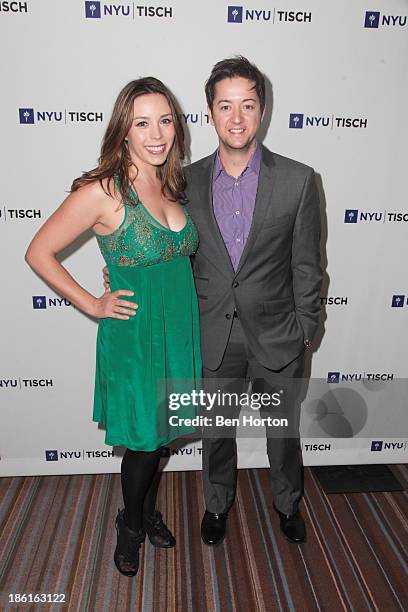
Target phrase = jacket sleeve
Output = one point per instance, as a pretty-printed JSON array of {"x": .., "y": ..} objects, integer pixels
[{"x": 306, "y": 269}]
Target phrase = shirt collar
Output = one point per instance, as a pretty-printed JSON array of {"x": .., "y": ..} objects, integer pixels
[{"x": 254, "y": 164}]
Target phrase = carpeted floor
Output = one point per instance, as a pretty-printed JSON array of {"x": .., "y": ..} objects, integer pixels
[{"x": 57, "y": 536}]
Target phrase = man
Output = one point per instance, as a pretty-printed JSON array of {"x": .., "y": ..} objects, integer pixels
[{"x": 258, "y": 277}]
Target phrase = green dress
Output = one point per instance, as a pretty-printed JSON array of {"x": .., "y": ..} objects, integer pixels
[{"x": 141, "y": 361}]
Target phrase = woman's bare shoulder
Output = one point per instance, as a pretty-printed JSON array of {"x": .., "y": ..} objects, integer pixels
[{"x": 98, "y": 190}]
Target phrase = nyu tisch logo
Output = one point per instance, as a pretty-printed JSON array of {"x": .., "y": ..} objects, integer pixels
[
  {"x": 42, "y": 302},
  {"x": 329, "y": 121},
  {"x": 333, "y": 377},
  {"x": 93, "y": 10},
  {"x": 239, "y": 14},
  {"x": 235, "y": 14},
  {"x": 351, "y": 215},
  {"x": 379, "y": 445},
  {"x": 372, "y": 19},
  {"x": 398, "y": 301},
  {"x": 39, "y": 301},
  {"x": 26, "y": 115},
  {"x": 296, "y": 120},
  {"x": 51, "y": 455},
  {"x": 63, "y": 116},
  {"x": 97, "y": 10},
  {"x": 337, "y": 377}
]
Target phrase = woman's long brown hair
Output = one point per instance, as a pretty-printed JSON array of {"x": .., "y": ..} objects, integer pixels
[{"x": 114, "y": 162}]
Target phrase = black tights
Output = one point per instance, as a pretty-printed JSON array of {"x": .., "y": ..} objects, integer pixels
[{"x": 140, "y": 481}]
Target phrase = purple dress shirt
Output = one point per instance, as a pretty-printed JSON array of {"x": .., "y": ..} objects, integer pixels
[{"x": 234, "y": 203}]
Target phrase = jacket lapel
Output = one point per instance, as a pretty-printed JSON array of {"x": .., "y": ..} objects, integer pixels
[
  {"x": 262, "y": 202},
  {"x": 211, "y": 229}
]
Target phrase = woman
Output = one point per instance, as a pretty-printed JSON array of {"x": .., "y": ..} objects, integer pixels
[{"x": 145, "y": 350}]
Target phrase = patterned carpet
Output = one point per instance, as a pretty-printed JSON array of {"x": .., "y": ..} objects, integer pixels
[{"x": 57, "y": 536}]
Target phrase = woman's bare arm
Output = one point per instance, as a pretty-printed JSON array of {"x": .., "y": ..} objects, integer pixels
[{"x": 79, "y": 212}]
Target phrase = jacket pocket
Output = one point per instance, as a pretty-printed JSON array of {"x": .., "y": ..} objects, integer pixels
[
  {"x": 278, "y": 306},
  {"x": 270, "y": 222}
]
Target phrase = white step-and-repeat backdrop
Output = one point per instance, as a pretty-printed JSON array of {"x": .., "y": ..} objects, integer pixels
[{"x": 338, "y": 73}]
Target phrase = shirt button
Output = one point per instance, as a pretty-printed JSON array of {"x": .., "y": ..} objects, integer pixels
[
  {"x": 228, "y": 316},
  {"x": 236, "y": 184},
  {"x": 238, "y": 240},
  {"x": 235, "y": 284},
  {"x": 237, "y": 212}
]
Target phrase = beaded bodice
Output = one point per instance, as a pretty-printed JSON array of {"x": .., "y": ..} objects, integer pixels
[{"x": 140, "y": 240}]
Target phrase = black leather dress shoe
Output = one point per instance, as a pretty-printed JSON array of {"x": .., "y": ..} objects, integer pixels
[
  {"x": 292, "y": 526},
  {"x": 213, "y": 528}
]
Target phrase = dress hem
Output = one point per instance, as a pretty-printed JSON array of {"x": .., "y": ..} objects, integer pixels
[{"x": 119, "y": 443}]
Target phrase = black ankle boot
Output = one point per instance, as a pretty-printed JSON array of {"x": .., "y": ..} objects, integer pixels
[
  {"x": 158, "y": 533},
  {"x": 127, "y": 548}
]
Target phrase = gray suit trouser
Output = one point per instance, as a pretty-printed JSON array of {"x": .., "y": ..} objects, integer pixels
[{"x": 219, "y": 452}]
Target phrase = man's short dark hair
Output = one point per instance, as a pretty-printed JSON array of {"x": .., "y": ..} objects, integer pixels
[{"x": 237, "y": 66}]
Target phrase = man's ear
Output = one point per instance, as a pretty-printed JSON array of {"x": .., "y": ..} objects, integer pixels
[{"x": 209, "y": 111}]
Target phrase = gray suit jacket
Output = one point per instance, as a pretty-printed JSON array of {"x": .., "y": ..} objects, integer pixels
[{"x": 276, "y": 287}]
